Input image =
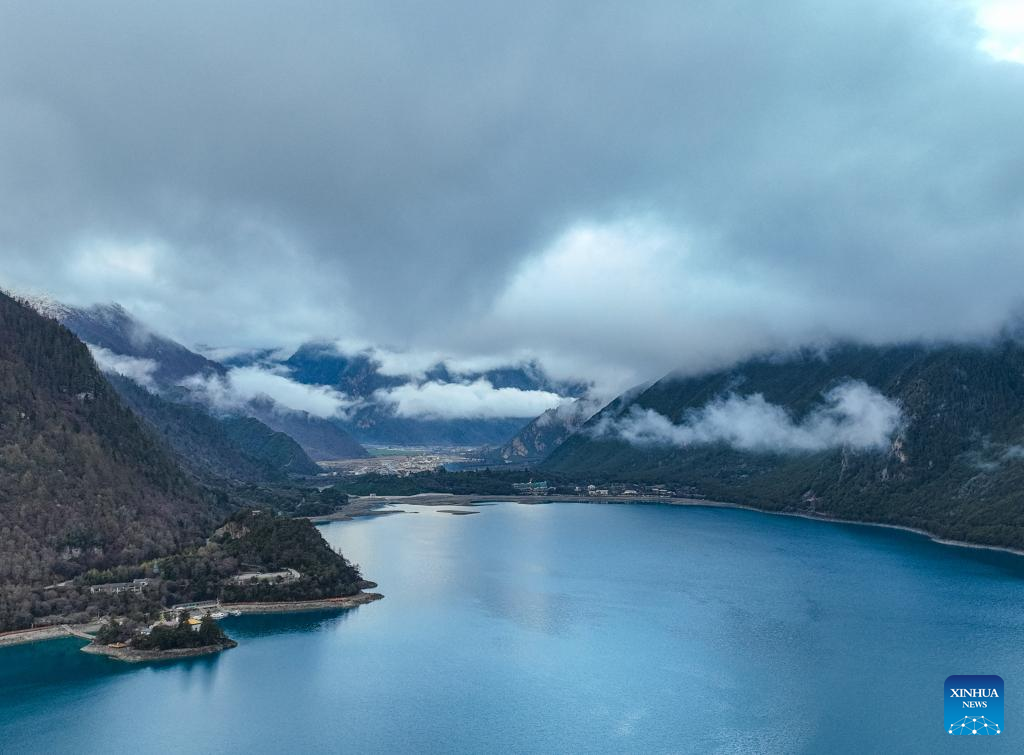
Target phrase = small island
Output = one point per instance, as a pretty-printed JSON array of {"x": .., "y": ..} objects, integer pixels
[{"x": 183, "y": 637}]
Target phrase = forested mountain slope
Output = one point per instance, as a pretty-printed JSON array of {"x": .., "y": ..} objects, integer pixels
[
  {"x": 323, "y": 439},
  {"x": 230, "y": 448},
  {"x": 954, "y": 465},
  {"x": 110, "y": 327},
  {"x": 167, "y": 365},
  {"x": 82, "y": 482}
]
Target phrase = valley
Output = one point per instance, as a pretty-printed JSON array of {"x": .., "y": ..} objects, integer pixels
[{"x": 471, "y": 378}]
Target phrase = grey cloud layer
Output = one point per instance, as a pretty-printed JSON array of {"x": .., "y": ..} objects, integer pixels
[{"x": 620, "y": 188}]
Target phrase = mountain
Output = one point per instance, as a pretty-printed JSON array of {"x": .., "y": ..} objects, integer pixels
[
  {"x": 230, "y": 448},
  {"x": 125, "y": 346},
  {"x": 376, "y": 420},
  {"x": 356, "y": 375},
  {"x": 542, "y": 436},
  {"x": 322, "y": 439},
  {"x": 276, "y": 449},
  {"x": 379, "y": 425},
  {"x": 953, "y": 465},
  {"x": 83, "y": 483},
  {"x": 110, "y": 327}
]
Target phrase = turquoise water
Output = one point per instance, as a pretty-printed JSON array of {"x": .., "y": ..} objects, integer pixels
[{"x": 572, "y": 628}]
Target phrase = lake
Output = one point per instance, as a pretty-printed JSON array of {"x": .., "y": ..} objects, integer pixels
[{"x": 571, "y": 628}]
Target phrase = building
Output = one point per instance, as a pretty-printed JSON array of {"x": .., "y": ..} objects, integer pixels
[
  {"x": 195, "y": 623},
  {"x": 531, "y": 487},
  {"x": 113, "y": 588},
  {"x": 202, "y": 605}
]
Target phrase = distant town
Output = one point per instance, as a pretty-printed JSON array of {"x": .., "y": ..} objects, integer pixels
[
  {"x": 381, "y": 474},
  {"x": 610, "y": 490},
  {"x": 401, "y": 461}
]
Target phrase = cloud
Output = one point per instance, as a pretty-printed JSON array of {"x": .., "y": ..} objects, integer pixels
[
  {"x": 104, "y": 259},
  {"x": 477, "y": 400},
  {"x": 134, "y": 368},
  {"x": 617, "y": 191},
  {"x": 408, "y": 363},
  {"x": 244, "y": 384},
  {"x": 854, "y": 415},
  {"x": 1003, "y": 24}
]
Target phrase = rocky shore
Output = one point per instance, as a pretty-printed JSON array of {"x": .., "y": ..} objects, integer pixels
[
  {"x": 53, "y": 632},
  {"x": 349, "y": 601},
  {"x": 131, "y": 655}
]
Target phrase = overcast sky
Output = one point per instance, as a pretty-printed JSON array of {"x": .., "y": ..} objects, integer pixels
[{"x": 618, "y": 188}]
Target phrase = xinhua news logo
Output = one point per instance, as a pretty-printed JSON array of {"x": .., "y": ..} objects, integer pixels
[{"x": 974, "y": 705}]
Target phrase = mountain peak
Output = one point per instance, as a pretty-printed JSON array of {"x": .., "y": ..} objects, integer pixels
[{"x": 45, "y": 305}]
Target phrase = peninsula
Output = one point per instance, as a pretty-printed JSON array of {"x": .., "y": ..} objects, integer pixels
[{"x": 185, "y": 636}]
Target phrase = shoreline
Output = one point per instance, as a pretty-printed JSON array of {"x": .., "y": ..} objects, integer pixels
[
  {"x": 471, "y": 500},
  {"x": 902, "y": 527},
  {"x": 85, "y": 631},
  {"x": 51, "y": 632},
  {"x": 838, "y": 520},
  {"x": 131, "y": 655},
  {"x": 295, "y": 606},
  {"x": 369, "y": 507}
]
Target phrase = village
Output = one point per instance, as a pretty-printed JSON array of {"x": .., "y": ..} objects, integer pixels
[
  {"x": 608, "y": 490},
  {"x": 193, "y": 613},
  {"x": 398, "y": 461}
]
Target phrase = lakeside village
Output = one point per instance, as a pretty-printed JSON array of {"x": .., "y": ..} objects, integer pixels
[
  {"x": 614, "y": 490},
  {"x": 184, "y": 630},
  {"x": 413, "y": 470},
  {"x": 181, "y": 630},
  {"x": 397, "y": 461}
]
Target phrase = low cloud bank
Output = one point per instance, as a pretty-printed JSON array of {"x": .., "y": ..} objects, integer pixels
[
  {"x": 474, "y": 400},
  {"x": 134, "y": 368},
  {"x": 244, "y": 384},
  {"x": 853, "y": 415}
]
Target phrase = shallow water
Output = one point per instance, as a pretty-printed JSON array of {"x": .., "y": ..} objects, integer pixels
[{"x": 571, "y": 628}]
